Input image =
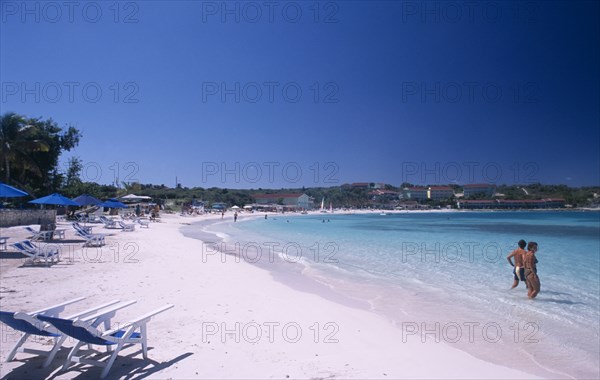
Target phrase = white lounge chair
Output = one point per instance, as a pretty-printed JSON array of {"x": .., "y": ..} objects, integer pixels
[
  {"x": 133, "y": 332},
  {"x": 3, "y": 241},
  {"x": 109, "y": 223},
  {"x": 95, "y": 240},
  {"x": 143, "y": 222},
  {"x": 87, "y": 229},
  {"x": 127, "y": 227},
  {"x": 39, "y": 235},
  {"x": 30, "y": 325},
  {"x": 48, "y": 253}
]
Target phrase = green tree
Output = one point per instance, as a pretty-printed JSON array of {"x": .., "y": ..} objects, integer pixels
[
  {"x": 30, "y": 149},
  {"x": 72, "y": 183},
  {"x": 17, "y": 143}
]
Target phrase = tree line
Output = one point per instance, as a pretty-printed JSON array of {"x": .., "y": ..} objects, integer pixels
[{"x": 30, "y": 149}]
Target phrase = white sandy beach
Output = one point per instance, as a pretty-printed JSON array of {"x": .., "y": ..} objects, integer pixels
[{"x": 302, "y": 335}]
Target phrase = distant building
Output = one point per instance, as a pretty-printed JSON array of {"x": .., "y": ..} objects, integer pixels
[
  {"x": 219, "y": 206},
  {"x": 511, "y": 204},
  {"x": 293, "y": 201},
  {"x": 408, "y": 205},
  {"x": 368, "y": 185},
  {"x": 439, "y": 193},
  {"x": 476, "y": 204},
  {"x": 416, "y": 193},
  {"x": 488, "y": 190},
  {"x": 379, "y": 192}
]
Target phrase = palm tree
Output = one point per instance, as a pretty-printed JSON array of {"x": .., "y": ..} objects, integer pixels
[{"x": 17, "y": 142}]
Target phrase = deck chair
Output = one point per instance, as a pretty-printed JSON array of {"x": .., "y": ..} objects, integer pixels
[
  {"x": 39, "y": 235},
  {"x": 95, "y": 240},
  {"x": 3, "y": 241},
  {"x": 127, "y": 227},
  {"x": 143, "y": 222},
  {"x": 133, "y": 332},
  {"x": 48, "y": 253},
  {"x": 87, "y": 229},
  {"x": 29, "y": 324},
  {"x": 108, "y": 223}
]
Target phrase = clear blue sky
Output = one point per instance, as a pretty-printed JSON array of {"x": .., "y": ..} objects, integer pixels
[{"x": 423, "y": 92}]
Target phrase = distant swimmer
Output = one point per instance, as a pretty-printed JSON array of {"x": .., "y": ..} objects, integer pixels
[
  {"x": 265, "y": 216},
  {"x": 531, "y": 277},
  {"x": 519, "y": 268}
]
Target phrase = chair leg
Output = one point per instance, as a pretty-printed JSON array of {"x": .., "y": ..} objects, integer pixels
[
  {"x": 71, "y": 354},
  {"x": 110, "y": 361},
  {"x": 16, "y": 348},
  {"x": 57, "y": 346},
  {"x": 144, "y": 341}
]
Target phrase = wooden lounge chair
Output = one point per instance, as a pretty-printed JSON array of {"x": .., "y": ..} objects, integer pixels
[
  {"x": 95, "y": 240},
  {"x": 127, "y": 227},
  {"x": 29, "y": 324},
  {"x": 143, "y": 222},
  {"x": 133, "y": 332},
  {"x": 48, "y": 253},
  {"x": 39, "y": 235}
]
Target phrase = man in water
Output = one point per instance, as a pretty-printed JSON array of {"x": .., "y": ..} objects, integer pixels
[
  {"x": 531, "y": 277},
  {"x": 519, "y": 268}
]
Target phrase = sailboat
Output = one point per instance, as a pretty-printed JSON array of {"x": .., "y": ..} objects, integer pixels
[{"x": 323, "y": 205}]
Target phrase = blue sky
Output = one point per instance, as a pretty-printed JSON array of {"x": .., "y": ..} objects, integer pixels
[{"x": 291, "y": 94}]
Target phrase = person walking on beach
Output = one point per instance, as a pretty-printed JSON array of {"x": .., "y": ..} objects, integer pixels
[
  {"x": 235, "y": 217},
  {"x": 519, "y": 268},
  {"x": 531, "y": 277}
]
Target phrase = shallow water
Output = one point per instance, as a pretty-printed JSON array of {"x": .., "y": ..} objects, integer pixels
[{"x": 444, "y": 277}]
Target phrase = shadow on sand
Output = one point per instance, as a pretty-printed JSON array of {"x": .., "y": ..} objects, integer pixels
[{"x": 124, "y": 367}]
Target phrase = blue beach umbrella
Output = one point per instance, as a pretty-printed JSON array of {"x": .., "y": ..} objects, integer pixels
[
  {"x": 112, "y": 203},
  {"x": 87, "y": 200},
  {"x": 54, "y": 199},
  {"x": 7, "y": 191}
]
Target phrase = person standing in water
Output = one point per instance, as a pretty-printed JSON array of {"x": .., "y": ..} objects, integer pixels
[
  {"x": 519, "y": 268},
  {"x": 531, "y": 277}
]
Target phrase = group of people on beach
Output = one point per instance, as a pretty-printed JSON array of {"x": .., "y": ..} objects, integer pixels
[{"x": 525, "y": 267}]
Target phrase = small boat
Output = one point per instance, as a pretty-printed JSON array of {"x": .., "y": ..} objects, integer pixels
[{"x": 323, "y": 206}]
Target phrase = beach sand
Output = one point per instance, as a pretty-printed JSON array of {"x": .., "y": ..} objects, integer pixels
[{"x": 230, "y": 320}]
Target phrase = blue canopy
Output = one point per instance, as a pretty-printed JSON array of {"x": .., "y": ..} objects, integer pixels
[
  {"x": 86, "y": 200},
  {"x": 113, "y": 203},
  {"x": 7, "y": 191},
  {"x": 54, "y": 199}
]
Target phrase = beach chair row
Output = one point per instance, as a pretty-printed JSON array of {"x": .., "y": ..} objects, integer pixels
[
  {"x": 50, "y": 253},
  {"x": 89, "y": 327}
]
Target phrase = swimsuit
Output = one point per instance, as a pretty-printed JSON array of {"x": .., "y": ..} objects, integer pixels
[{"x": 521, "y": 272}]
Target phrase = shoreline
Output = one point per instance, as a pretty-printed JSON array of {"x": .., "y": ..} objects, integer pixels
[{"x": 255, "y": 316}]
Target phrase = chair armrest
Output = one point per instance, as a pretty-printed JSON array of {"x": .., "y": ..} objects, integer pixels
[
  {"x": 92, "y": 310},
  {"x": 54, "y": 310},
  {"x": 107, "y": 311},
  {"x": 141, "y": 319}
]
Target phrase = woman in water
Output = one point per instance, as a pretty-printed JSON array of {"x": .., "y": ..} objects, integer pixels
[{"x": 531, "y": 277}]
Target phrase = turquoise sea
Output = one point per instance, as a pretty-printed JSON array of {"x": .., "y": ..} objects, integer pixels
[{"x": 444, "y": 277}]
